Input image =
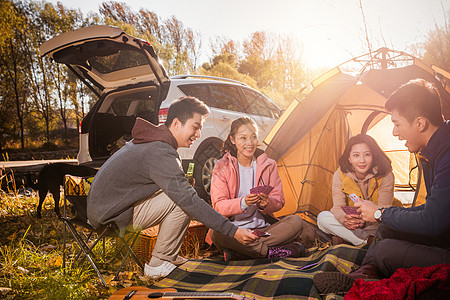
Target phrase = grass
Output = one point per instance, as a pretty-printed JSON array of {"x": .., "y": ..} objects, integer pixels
[{"x": 31, "y": 257}]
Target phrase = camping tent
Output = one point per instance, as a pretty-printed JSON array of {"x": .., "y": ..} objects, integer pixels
[{"x": 310, "y": 136}]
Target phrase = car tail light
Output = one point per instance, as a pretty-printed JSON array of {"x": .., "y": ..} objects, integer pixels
[
  {"x": 79, "y": 127},
  {"x": 162, "y": 116}
]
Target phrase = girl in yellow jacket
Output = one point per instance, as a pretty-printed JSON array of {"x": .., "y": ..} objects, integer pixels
[{"x": 365, "y": 171}]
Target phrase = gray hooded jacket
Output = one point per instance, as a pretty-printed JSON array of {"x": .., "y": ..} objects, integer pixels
[{"x": 147, "y": 164}]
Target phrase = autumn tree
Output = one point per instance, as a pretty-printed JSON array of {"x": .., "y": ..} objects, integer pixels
[
  {"x": 221, "y": 45},
  {"x": 177, "y": 46},
  {"x": 437, "y": 45},
  {"x": 291, "y": 72},
  {"x": 258, "y": 60},
  {"x": 14, "y": 61},
  {"x": 271, "y": 63},
  {"x": 224, "y": 66},
  {"x": 119, "y": 11},
  {"x": 193, "y": 48},
  {"x": 149, "y": 23},
  {"x": 49, "y": 80}
]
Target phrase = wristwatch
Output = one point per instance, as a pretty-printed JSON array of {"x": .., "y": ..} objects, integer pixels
[{"x": 377, "y": 214}]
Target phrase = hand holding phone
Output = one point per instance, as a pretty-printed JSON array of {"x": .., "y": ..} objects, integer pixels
[{"x": 260, "y": 233}]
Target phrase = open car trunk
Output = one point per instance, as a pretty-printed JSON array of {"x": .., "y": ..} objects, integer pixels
[
  {"x": 123, "y": 72},
  {"x": 112, "y": 119}
]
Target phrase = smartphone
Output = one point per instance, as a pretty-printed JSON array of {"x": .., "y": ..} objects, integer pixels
[
  {"x": 260, "y": 233},
  {"x": 350, "y": 210}
]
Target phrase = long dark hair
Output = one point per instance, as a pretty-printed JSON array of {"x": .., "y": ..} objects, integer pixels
[
  {"x": 228, "y": 146},
  {"x": 379, "y": 158}
]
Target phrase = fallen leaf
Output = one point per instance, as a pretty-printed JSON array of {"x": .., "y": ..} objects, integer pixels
[
  {"x": 108, "y": 279},
  {"x": 5, "y": 290},
  {"x": 23, "y": 270}
]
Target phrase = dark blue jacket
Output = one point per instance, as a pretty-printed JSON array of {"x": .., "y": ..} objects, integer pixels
[{"x": 433, "y": 218}]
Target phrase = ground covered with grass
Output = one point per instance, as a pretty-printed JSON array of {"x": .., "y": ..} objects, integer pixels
[{"x": 32, "y": 262}]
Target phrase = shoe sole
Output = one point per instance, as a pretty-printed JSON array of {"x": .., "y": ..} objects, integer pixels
[{"x": 333, "y": 282}]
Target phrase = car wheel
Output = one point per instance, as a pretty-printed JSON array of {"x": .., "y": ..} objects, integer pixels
[{"x": 203, "y": 170}]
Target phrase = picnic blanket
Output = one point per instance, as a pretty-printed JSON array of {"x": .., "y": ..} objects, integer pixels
[{"x": 264, "y": 278}]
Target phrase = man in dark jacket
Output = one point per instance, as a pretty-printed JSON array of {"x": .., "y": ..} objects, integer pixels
[
  {"x": 417, "y": 236},
  {"x": 143, "y": 185}
]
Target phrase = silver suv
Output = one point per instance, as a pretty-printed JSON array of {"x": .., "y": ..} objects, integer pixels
[{"x": 127, "y": 77}]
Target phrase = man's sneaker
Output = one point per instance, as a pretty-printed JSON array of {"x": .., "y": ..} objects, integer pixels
[
  {"x": 179, "y": 261},
  {"x": 160, "y": 271},
  {"x": 335, "y": 282}
]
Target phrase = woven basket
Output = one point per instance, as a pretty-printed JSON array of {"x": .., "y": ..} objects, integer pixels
[{"x": 194, "y": 240}]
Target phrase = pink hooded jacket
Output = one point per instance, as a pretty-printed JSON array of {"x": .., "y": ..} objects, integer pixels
[{"x": 225, "y": 186}]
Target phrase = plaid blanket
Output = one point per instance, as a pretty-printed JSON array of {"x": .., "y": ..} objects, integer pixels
[{"x": 264, "y": 278}]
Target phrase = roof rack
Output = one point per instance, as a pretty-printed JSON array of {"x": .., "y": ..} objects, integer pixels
[{"x": 207, "y": 77}]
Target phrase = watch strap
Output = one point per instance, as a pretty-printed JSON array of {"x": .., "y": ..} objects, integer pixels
[{"x": 381, "y": 210}]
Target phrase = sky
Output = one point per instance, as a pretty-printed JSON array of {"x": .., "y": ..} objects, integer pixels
[{"x": 328, "y": 32}]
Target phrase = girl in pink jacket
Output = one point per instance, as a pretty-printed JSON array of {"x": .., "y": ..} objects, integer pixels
[{"x": 242, "y": 168}]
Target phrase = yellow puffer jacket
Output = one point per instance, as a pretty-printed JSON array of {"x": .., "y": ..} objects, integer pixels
[{"x": 349, "y": 186}]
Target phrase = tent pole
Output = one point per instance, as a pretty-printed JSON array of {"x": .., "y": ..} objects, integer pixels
[{"x": 383, "y": 59}]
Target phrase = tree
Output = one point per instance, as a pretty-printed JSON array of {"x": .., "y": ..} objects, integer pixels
[
  {"x": 437, "y": 46},
  {"x": 176, "y": 37},
  {"x": 222, "y": 45},
  {"x": 290, "y": 70},
  {"x": 7, "y": 115},
  {"x": 225, "y": 70},
  {"x": 49, "y": 81},
  {"x": 258, "y": 59},
  {"x": 150, "y": 24},
  {"x": 118, "y": 11},
  {"x": 259, "y": 45},
  {"x": 13, "y": 59},
  {"x": 193, "y": 48}
]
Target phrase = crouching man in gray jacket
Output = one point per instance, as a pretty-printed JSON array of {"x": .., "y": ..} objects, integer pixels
[{"x": 143, "y": 185}]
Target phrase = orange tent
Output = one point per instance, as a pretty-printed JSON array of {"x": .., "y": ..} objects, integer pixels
[{"x": 310, "y": 136}]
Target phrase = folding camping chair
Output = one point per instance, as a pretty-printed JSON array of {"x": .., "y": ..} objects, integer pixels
[{"x": 75, "y": 191}]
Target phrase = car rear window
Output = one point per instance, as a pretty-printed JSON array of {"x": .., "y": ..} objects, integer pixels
[
  {"x": 104, "y": 56},
  {"x": 122, "y": 59},
  {"x": 141, "y": 104}
]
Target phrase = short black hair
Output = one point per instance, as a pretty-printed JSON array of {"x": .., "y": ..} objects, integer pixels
[
  {"x": 380, "y": 161},
  {"x": 417, "y": 98},
  {"x": 184, "y": 108}
]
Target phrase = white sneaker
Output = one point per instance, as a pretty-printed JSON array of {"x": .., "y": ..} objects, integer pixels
[
  {"x": 160, "y": 271},
  {"x": 179, "y": 261}
]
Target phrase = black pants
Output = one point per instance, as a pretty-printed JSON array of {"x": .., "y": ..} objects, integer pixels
[{"x": 393, "y": 249}]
